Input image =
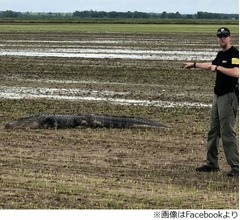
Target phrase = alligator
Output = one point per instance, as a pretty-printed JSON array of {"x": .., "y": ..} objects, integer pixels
[{"x": 81, "y": 120}]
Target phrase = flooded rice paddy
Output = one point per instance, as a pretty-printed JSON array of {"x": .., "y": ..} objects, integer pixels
[
  {"x": 136, "y": 75},
  {"x": 102, "y": 48},
  {"x": 164, "y": 48}
]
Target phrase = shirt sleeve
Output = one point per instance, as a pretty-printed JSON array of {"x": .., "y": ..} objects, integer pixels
[{"x": 235, "y": 60}]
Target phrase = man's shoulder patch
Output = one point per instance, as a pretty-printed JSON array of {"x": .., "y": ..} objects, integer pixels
[{"x": 235, "y": 61}]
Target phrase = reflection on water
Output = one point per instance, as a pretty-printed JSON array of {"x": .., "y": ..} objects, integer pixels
[
  {"x": 167, "y": 49},
  {"x": 87, "y": 95},
  {"x": 114, "y": 53}
]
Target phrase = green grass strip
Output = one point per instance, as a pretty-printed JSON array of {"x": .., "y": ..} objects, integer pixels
[{"x": 111, "y": 28}]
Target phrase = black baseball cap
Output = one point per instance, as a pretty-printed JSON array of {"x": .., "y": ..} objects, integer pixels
[{"x": 223, "y": 32}]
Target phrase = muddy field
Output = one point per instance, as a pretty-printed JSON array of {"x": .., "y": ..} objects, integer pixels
[{"x": 138, "y": 75}]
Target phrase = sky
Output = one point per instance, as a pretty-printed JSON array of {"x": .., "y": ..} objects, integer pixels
[{"x": 157, "y": 6}]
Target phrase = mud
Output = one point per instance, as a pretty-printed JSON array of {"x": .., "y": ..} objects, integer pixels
[{"x": 109, "y": 168}]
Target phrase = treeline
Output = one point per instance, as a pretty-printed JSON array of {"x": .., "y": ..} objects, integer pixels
[
  {"x": 163, "y": 15},
  {"x": 114, "y": 14},
  {"x": 14, "y": 14}
]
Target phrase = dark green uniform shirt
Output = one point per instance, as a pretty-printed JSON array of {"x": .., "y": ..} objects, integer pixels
[{"x": 227, "y": 59}]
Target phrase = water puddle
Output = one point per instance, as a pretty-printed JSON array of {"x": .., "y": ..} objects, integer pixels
[
  {"x": 81, "y": 82},
  {"x": 100, "y": 41},
  {"x": 87, "y": 95},
  {"x": 106, "y": 48},
  {"x": 30, "y": 91},
  {"x": 118, "y": 53}
]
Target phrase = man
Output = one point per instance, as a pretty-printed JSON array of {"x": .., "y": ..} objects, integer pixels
[{"x": 224, "y": 106}]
